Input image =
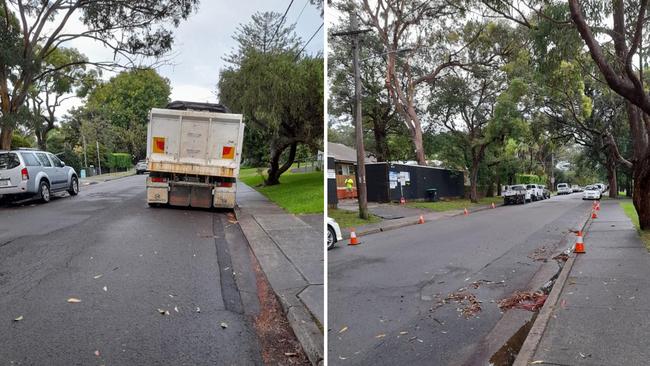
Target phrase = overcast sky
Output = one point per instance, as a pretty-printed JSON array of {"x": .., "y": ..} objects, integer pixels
[{"x": 206, "y": 36}]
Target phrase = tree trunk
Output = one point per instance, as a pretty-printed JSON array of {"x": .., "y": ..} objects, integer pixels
[
  {"x": 641, "y": 195},
  {"x": 5, "y": 138},
  {"x": 275, "y": 170},
  {"x": 473, "y": 181},
  {"x": 498, "y": 185},
  {"x": 419, "y": 146},
  {"x": 611, "y": 174},
  {"x": 381, "y": 140}
]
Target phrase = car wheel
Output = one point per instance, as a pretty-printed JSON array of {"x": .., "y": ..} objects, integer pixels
[
  {"x": 44, "y": 192},
  {"x": 331, "y": 238},
  {"x": 74, "y": 186}
]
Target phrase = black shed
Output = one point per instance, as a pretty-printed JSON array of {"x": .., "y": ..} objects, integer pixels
[{"x": 388, "y": 182}]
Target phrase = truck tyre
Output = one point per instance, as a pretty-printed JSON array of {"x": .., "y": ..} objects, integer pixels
[
  {"x": 44, "y": 191},
  {"x": 73, "y": 190}
]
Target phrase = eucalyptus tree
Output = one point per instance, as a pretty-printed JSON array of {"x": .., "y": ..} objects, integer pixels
[
  {"x": 31, "y": 30},
  {"x": 479, "y": 104}
]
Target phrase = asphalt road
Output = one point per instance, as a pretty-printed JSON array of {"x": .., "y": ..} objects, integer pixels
[
  {"x": 383, "y": 295},
  {"x": 124, "y": 261}
]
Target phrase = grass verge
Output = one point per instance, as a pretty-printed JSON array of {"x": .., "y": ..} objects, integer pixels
[
  {"x": 347, "y": 219},
  {"x": 630, "y": 211},
  {"x": 300, "y": 193},
  {"x": 454, "y": 204}
]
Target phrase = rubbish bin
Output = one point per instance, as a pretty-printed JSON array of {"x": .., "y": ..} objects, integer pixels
[{"x": 432, "y": 195}]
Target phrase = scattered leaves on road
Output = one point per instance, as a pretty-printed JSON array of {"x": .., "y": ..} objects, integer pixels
[
  {"x": 561, "y": 257},
  {"x": 98, "y": 276},
  {"x": 531, "y": 301},
  {"x": 224, "y": 325},
  {"x": 379, "y": 336},
  {"x": 539, "y": 254},
  {"x": 290, "y": 354},
  {"x": 73, "y": 300},
  {"x": 176, "y": 309},
  {"x": 469, "y": 304},
  {"x": 97, "y": 353},
  {"x": 343, "y": 329},
  {"x": 163, "y": 312},
  {"x": 403, "y": 333},
  {"x": 105, "y": 288},
  {"x": 198, "y": 309},
  {"x": 18, "y": 318}
]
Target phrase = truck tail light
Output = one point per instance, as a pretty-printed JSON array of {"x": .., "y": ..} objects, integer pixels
[
  {"x": 159, "y": 180},
  {"x": 24, "y": 174},
  {"x": 224, "y": 184}
]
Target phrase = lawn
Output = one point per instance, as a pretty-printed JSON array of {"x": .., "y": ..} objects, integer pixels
[
  {"x": 454, "y": 204},
  {"x": 347, "y": 219},
  {"x": 630, "y": 211},
  {"x": 300, "y": 193}
]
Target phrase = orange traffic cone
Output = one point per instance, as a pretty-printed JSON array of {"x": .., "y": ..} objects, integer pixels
[
  {"x": 493, "y": 206},
  {"x": 353, "y": 237},
  {"x": 421, "y": 220},
  {"x": 594, "y": 215},
  {"x": 402, "y": 201},
  {"x": 466, "y": 212},
  {"x": 580, "y": 245},
  {"x": 597, "y": 205}
]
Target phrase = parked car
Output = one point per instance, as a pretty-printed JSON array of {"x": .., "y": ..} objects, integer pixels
[
  {"x": 545, "y": 192},
  {"x": 563, "y": 188},
  {"x": 31, "y": 172},
  {"x": 516, "y": 194},
  {"x": 535, "y": 191},
  {"x": 592, "y": 193},
  {"x": 141, "y": 167},
  {"x": 576, "y": 188},
  {"x": 601, "y": 187},
  {"x": 333, "y": 233}
]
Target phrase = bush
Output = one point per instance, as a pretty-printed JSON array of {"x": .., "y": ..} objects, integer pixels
[
  {"x": 118, "y": 161},
  {"x": 530, "y": 179}
]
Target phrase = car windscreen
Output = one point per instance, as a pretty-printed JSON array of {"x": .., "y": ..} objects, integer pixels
[
  {"x": 518, "y": 188},
  {"x": 9, "y": 160}
]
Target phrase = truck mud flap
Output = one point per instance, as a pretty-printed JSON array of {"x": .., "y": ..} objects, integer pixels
[
  {"x": 201, "y": 197},
  {"x": 179, "y": 195},
  {"x": 157, "y": 195},
  {"x": 224, "y": 199}
]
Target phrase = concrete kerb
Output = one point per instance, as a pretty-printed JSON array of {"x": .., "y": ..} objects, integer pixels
[
  {"x": 536, "y": 332},
  {"x": 304, "y": 324},
  {"x": 407, "y": 221}
]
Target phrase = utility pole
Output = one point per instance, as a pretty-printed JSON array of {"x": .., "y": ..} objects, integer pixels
[
  {"x": 99, "y": 162},
  {"x": 362, "y": 195},
  {"x": 83, "y": 139}
]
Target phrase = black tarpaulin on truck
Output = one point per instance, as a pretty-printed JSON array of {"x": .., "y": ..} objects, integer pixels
[{"x": 195, "y": 106}]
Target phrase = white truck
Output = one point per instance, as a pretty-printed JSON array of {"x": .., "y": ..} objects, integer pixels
[{"x": 193, "y": 155}]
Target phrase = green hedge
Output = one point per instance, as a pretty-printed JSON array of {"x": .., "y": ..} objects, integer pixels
[
  {"x": 119, "y": 161},
  {"x": 530, "y": 179}
]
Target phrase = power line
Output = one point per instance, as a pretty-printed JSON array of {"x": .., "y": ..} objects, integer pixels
[
  {"x": 303, "y": 9},
  {"x": 310, "y": 38},
  {"x": 281, "y": 22}
]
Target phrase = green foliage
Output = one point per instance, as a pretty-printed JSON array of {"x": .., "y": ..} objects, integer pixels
[
  {"x": 18, "y": 140},
  {"x": 119, "y": 161},
  {"x": 348, "y": 219},
  {"x": 530, "y": 179}
]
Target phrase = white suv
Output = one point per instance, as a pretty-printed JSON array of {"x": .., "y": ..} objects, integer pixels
[
  {"x": 30, "y": 172},
  {"x": 564, "y": 188},
  {"x": 536, "y": 191}
]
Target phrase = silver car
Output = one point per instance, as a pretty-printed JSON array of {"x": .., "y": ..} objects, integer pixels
[{"x": 30, "y": 172}]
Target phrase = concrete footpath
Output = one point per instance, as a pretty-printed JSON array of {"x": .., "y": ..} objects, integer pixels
[
  {"x": 601, "y": 314},
  {"x": 289, "y": 248},
  {"x": 105, "y": 177}
]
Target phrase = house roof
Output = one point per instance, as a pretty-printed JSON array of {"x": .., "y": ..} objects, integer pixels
[{"x": 346, "y": 154}]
